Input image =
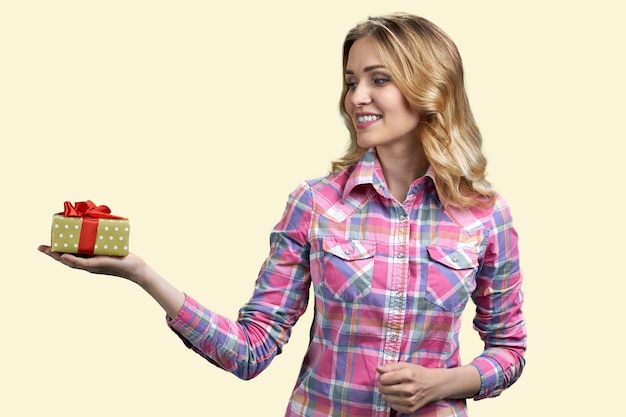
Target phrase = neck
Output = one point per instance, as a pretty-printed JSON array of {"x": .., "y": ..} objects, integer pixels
[{"x": 401, "y": 167}]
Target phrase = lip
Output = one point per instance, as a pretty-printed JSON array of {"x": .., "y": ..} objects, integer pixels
[{"x": 364, "y": 125}]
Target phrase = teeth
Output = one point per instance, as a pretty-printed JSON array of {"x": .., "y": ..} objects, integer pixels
[{"x": 368, "y": 118}]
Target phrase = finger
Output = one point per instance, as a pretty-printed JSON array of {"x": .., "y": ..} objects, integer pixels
[
  {"x": 66, "y": 258},
  {"x": 399, "y": 390},
  {"x": 405, "y": 402},
  {"x": 48, "y": 251},
  {"x": 44, "y": 249},
  {"x": 393, "y": 373},
  {"x": 69, "y": 260},
  {"x": 392, "y": 366},
  {"x": 397, "y": 400},
  {"x": 401, "y": 404}
]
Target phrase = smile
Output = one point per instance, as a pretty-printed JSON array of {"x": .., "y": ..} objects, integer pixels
[{"x": 368, "y": 118}]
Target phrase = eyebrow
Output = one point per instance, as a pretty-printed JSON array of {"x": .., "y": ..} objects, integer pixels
[{"x": 367, "y": 69}]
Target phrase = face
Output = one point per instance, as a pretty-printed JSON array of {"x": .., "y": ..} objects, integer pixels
[{"x": 380, "y": 114}]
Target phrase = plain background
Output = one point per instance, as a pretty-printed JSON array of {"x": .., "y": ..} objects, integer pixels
[{"x": 196, "y": 119}]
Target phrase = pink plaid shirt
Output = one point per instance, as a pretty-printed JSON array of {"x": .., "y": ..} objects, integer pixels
[{"x": 390, "y": 281}]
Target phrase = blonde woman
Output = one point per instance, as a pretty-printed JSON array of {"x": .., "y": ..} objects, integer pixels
[{"x": 395, "y": 242}]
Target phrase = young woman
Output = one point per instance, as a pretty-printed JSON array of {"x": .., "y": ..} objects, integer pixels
[{"x": 394, "y": 241}]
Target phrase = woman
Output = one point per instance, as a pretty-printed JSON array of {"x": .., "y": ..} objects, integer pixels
[{"x": 395, "y": 241}]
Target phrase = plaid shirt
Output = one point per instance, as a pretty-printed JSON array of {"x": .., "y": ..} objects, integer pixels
[{"x": 390, "y": 282}]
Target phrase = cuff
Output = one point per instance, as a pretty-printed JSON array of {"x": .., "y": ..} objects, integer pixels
[
  {"x": 193, "y": 322},
  {"x": 491, "y": 377}
]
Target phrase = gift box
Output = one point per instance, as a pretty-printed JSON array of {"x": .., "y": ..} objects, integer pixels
[{"x": 87, "y": 229}]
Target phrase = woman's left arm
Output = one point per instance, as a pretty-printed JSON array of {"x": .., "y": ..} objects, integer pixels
[{"x": 498, "y": 298}]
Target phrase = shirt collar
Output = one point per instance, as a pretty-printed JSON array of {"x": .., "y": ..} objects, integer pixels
[{"x": 369, "y": 171}]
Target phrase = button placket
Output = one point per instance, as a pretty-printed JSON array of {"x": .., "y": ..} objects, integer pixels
[{"x": 397, "y": 287}]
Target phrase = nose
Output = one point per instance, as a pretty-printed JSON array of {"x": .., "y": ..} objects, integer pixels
[{"x": 360, "y": 96}]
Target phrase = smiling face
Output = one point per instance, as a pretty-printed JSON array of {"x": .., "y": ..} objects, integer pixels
[{"x": 379, "y": 112}]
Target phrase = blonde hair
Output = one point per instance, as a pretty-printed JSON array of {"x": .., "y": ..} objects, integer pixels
[{"x": 426, "y": 66}]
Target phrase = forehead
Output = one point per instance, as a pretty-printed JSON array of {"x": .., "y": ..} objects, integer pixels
[{"x": 362, "y": 54}]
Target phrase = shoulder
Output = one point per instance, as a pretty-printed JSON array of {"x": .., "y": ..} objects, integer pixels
[
  {"x": 330, "y": 187},
  {"x": 489, "y": 215},
  {"x": 332, "y": 195},
  {"x": 335, "y": 180}
]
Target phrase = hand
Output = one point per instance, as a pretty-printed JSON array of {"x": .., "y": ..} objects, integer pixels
[
  {"x": 406, "y": 387},
  {"x": 129, "y": 267}
]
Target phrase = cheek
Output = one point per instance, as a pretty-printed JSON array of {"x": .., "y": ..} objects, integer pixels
[
  {"x": 409, "y": 114},
  {"x": 412, "y": 117}
]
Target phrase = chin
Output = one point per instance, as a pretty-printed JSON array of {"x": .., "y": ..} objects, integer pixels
[{"x": 364, "y": 143}]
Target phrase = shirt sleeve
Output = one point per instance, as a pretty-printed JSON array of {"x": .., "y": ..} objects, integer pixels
[
  {"x": 246, "y": 346},
  {"x": 498, "y": 297}
]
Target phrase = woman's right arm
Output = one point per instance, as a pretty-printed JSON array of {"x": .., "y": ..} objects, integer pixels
[{"x": 247, "y": 345}]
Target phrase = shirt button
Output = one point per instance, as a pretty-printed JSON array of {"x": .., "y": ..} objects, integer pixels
[
  {"x": 348, "y": 252},
  {"x": 401, "y": 255},
  {"x": 402, "y": 218},
  {"x": 394, "y": 338}
]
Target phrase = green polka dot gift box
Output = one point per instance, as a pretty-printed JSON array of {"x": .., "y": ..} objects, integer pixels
[{"x": 87, "y": 229}]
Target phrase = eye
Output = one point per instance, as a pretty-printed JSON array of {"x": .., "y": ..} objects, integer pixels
[
  {"x": 351, "y": 85},
  {"x": 381, "y": 80}
]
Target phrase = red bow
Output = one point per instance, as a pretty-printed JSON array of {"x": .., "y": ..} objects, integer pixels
[{"x": 88, "y": 209}]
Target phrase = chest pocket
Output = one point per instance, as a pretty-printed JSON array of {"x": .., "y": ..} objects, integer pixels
[
  {"x": 348, "y": 267},
  {"x": 451, "y": 276}
]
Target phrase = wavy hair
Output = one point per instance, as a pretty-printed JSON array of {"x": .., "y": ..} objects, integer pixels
[{"x": 425, "y": 64}]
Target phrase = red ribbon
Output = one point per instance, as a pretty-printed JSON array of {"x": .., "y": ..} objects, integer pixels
[
  {"x": 90, "y": 214},
  {"x": 88, "y": 209}
]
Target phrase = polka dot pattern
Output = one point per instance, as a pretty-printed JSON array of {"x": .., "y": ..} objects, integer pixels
[{"x": 112, "y": 236}]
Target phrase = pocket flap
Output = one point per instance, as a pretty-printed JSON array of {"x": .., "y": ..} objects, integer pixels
[
  {"x": 349, "y": 249},
  {"x": 455, "y": 258}
]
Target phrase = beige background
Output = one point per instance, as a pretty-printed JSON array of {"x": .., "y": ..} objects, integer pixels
[{"x": 196, "y": 120}]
